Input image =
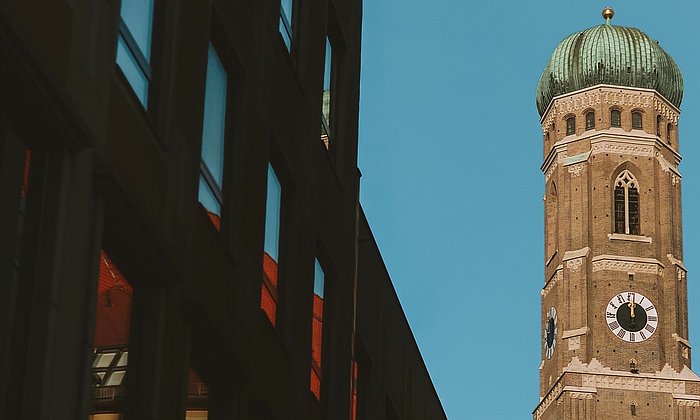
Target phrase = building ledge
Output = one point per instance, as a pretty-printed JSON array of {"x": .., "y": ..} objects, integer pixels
[{"x": 630, "y": 238}]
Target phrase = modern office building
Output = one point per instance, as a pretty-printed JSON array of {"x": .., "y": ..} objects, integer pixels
[
  {"x": 614, "y": 302},
  {"x": 180, "y": 231}
]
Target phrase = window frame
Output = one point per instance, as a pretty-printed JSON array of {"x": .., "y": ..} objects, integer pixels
[
  {"x": 590, "y": 120},
  {"x": 275, "y": 290},
  {"x": 626, "y": 204},
  {"x": 570, "y": 125},
  {"x": 329, "y": 66},
  {"x": 136, "y": 55},
  {"x": 615, "y": 122},
  {"x": 637, "y": 120},
  {"x": 205, "y": 174},
  {"x": 286, "y": 24}
]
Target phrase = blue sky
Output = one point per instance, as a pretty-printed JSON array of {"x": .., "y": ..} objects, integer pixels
[{"x": 450, "y": 151}]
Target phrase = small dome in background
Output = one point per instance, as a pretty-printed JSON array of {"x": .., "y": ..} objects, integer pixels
[{"x": 613, "y": 55}]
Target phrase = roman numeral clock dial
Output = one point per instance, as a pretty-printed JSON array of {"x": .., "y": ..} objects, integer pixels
[{"x": 631, "y": 316}]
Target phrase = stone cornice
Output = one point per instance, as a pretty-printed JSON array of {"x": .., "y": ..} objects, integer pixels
[
  {"x": 608, "y": 94},
  {"x": 627, "y": 264},
  {"x": 615, "y": 141}
]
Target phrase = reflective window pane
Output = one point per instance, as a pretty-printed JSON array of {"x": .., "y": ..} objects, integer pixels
[
  {"x": 214, "y": 116},
  {"x": 127, "y": 63},
  {"x": 286, "y": 16},
  {"x": 317, "y": 330},
  {"x": 138, "y": 17},
  {"x": 111, "y": 339},
  {"x": 197, "y": 397},
  {"x": 207, "y": 198},
  {"x": 272, "y": 214}
]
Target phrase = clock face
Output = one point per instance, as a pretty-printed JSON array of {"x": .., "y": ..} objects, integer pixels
[
  {"x": 631, "y": 316},
  {"x": 550, "y": 332}
]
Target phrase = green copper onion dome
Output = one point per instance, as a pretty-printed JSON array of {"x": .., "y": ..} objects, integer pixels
[{"x": 609, "y": 54}]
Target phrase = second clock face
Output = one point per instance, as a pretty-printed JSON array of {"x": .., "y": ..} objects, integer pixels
[{"x": 631, "y": 316}]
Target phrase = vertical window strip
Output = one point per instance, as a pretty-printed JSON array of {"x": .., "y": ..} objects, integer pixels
[
  {"x": 285, "y": 26},
  {"x": 213, "y": 136},
  {"x": 619, "y": 210},
  {"x": 197, "y": 397},
  {"x": 326, "y": 95},
  {"x": 317, "y": 330},
  {"x": 111, "y": 339},
  {"x": 273, "y": 213},
  {"x": 134, "y": 45}
]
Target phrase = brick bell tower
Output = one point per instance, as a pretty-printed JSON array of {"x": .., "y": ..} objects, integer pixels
[{"x": 614, "y": 301}]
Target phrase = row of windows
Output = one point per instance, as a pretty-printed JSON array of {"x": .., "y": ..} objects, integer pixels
[
  {"x": 133, "y": 58},
  {"x": 616, "y": 121},
  {"x": 113, "y": 317}
]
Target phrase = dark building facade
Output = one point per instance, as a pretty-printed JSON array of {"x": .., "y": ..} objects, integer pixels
[{"x": 180, "y": 231}]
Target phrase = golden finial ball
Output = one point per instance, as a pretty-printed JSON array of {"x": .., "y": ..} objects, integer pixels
[{"x": 608, "y": 13}]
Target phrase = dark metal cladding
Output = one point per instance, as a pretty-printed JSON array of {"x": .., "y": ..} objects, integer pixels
[{"x": 609, "y": 54}]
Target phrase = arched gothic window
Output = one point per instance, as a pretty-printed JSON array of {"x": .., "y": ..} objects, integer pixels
[
  {"x": 615, "y": 119},
  {"x": 570, "y": 126},
  {"x": 633, "y": 409},
  {"x": 669, "y": 131},
  {"x": 637, "y": 120},
  {"x": 626, "y": 204},
  {"x": 590, "y": 120},
  {"x": 658, "y": 125}
]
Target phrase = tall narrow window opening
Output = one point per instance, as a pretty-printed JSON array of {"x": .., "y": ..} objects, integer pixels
[
  {"x": 285, "y": 26},
  {"x": 111, "y": 340},
  {"x": 317, "y": 330},
  {"x": 626, "y": 204},
  {"x": 213, "y": 134},
  {"x": 669, "y": 132},
  {"x": 637, "y": 120},
  {"x": 197, "y": 397},
  {"x": 615, "y": 118},
  {"x": 273, "y": 208},
  {"x": 658, "y": 125},
  {"x": 570, "y": 126},
  {"x": 134, "y": 45},
  {"x": 326, "y": 100},
  {"x": 590, "y": 120}
]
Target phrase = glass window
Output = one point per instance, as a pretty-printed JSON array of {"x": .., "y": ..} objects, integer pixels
[
  {"x": 285, "y": 26},
  {"x": 637, "y": 120},
  {"x": 134, "y": 45},
  {"x": 197, "y": 397},
  {"x": 326, "y": 98},
  {"x": 213, "y": 134},
  {"x": 570, "y": 126},
  {"x": 615, "y": 118},
  {"x": 273, "y": 213},
  {"x": 111, "y": 340},
  {"x": 626, "y": 199},
  {"x": 590, "y": 120},
  {"x": 317, "y": 330}
]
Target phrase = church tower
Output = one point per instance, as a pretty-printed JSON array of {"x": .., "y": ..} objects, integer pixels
[{"x": 614, "y": 301}]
